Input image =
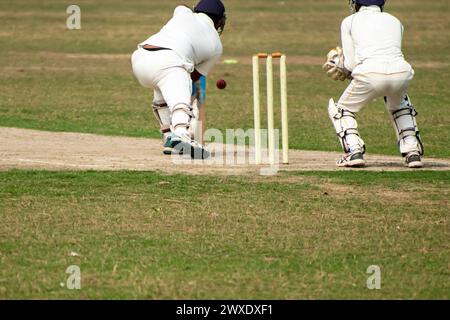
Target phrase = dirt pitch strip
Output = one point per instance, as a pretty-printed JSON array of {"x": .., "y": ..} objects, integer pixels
[{"x": 32, "y": 149}]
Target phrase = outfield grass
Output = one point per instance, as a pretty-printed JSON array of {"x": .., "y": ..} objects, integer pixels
[
  {"x": 61, "y": 80},
  {"x": 145, "y": 235}
]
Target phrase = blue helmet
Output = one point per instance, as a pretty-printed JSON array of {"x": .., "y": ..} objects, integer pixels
[
  {"x": 354, "y": 3},
  {"x": 215, "y": 10},
  {"x": 214, "y": 7}
]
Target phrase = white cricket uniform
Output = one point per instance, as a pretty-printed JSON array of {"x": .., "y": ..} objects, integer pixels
[
  {"x": 193, "y": 42},
  {"x": 372, "y": 45}
]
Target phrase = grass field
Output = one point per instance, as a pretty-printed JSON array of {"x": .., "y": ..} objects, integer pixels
[
  {"x": 144, "y": 235},
  {"x": 150, "y": 235}
]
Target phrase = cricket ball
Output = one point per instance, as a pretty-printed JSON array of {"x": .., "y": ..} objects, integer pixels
[{"x": 221, "y": 84}]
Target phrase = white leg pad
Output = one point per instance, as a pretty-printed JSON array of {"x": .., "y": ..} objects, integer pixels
[
  {"x": 346, "y": 127},
  {"x": 408, "y": 135},
  {"x": 195, "y": 119},
  {"x": 162, "y": 114},
  {"x": 182, "y": 115}
]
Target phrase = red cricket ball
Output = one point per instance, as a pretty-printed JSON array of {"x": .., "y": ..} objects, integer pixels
[{"x": 221, "y": 84}]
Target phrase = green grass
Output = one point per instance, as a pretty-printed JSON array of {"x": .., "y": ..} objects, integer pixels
[
  {"x": 146, "y": 235},
  {"x": 60, "y": 80}
]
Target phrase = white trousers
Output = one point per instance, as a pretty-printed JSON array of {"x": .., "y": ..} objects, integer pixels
[
  {"x": 366, "y": 87},
  {"x": 168, "y": 75}
]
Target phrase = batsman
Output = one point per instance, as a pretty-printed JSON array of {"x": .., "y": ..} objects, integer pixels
[
  {"x": 183, "y": 51},
  {"x": 371, "y": 57}
]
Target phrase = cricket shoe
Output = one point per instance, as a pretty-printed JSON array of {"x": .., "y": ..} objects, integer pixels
[
  {"x": 352, "y": 160},
  {"x": 168, "y": 146},
  {"x": 413, "y": 160},
  {"x": 183, "y": 144}
]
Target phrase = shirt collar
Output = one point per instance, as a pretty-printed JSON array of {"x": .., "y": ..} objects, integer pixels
[{"x": 370, "y": 8}]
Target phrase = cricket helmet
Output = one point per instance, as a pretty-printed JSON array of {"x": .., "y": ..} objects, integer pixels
[
  {"x": 354, "y": 3},
  {"x": 215, "y": 10}
]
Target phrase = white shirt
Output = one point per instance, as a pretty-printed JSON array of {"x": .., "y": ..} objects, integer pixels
[
  {"x": 192, "y": 36},
  {"x": 372, "y": 42}
]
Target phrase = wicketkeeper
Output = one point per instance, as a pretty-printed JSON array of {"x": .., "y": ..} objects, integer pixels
[
  {"x": 186, "y": 48},
  {"x": 371, "y": 57}
]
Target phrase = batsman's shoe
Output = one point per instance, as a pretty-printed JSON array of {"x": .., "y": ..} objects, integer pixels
[
  {"x": 183, "y": 144},
  {"x": 352, "y": 160},
  {"x": 413, "y": 160},
  {"x": 168, "y": 146}
]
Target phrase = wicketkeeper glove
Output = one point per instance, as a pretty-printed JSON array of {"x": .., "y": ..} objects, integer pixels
[{"x": 334, "y": 66}]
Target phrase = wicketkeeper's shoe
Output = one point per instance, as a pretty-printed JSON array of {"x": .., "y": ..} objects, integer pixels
[
  {"x": 413, "y": 160},
  {"x": 183, "y": 144},
  {"x": 352, "y": 160}
]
